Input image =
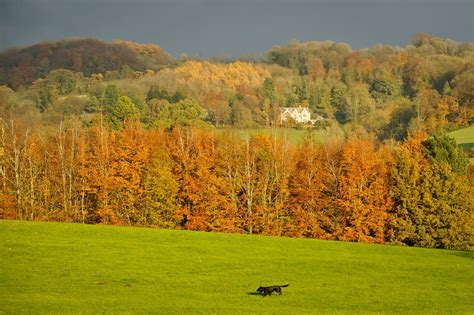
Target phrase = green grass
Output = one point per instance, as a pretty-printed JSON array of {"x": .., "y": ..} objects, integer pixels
[
  {"x": 465, "y": 135},
  {"x": 465, "y": 139},
  {"x": 295, "y": 136},
  {"x": 72, "y": 268}
]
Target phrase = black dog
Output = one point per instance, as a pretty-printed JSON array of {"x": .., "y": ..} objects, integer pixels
[{"x": 268, "y": 290}]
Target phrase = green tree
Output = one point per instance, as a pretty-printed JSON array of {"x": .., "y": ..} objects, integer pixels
[
  {"x": 338, "y": 99},
  {"x": 446, "y": 88},
  {"x": 268, "y": 102},
  {"x": 110, "y": 97},
  {"x": 442, "y": 149},
  {"x": 92, "y": 105},
  {"x": 159, "y": 199},
  {"x": 122, "y": 111},
  {"x": 358, "y": 103},
  {"x": 153, "y": 111},
  {"x": 240, "y": 115},
  {"x": 47, "y": 96},
  {"x": 63, "y": 80},
  {"x": 386, "y": 86},
  {"x": 8, "y": 99},
  {"x": 162, "y": 94},
  {"x": 185, "y": 113},
  {"x": 320, "y": 99},
  {"x": 432, "y": 203}
]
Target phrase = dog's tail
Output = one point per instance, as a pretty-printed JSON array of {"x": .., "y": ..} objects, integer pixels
[{"x": 284, "y": 286}]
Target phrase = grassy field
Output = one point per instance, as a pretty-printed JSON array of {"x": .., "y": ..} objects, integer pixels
[
  {"x": 465, "y": 139},
  {"x": 72, "y": 268},
  {"x": 295, "y": 136}
]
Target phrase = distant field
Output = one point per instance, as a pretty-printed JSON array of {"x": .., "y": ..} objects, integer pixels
[
  {"x": 465, "y": 139},
  {"x": 72, "y": 268},
  {"x": 295, "y": 136}
]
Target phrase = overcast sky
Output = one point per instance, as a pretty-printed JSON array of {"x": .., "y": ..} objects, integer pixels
[{"x": 233, "y": 27}]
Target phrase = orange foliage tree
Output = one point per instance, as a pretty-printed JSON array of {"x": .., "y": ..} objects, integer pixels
[
  {"x": 364, "y": 196},
  {"x": 307, "y": 201}
]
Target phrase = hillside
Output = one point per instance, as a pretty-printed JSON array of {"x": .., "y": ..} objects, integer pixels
[
  {"x": 22, "y": 66},
  {"x": 67, "y": 268},
  {"x": 383, "y": 90}
]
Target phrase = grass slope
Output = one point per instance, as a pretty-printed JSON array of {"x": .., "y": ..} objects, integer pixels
[
  {"x": 465, "y": 139},
  {"x": 72, "y": 268},
  {"x": 465, "y": 135}
]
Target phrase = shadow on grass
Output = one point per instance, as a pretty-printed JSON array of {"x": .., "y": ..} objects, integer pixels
[
  {"x": 254, "y": 293},
  {"x": 259, "y": 294},
  {"x": 467, "y": 147},
  {"x": 465, "y": 254}
]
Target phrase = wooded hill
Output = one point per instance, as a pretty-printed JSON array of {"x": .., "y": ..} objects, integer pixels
[
  {"x": 21, "y": 66},
  {"x": 386, "y": 90}
]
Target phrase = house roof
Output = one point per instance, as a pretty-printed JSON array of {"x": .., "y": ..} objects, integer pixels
[{"x": 295, "y": 110}]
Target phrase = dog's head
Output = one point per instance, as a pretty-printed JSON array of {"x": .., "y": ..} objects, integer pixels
[{"x": 260, "y": 289}]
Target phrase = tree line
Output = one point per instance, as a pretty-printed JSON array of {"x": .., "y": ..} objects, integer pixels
[{"x": 416, "y": 192}]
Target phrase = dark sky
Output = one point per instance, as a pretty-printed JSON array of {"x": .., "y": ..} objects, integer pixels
[{"x": 233, "y": 27}]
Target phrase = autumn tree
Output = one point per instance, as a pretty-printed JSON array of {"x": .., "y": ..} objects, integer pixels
[
  {"x": 417, "y": 75},
  {"x": 307, "y": 201},
  {"x": 94, "y": 171},
  {"x": 315, "y": 69},
  {"x": 65, "y": 160},
  {"x": 129, "y": 155},
  {"x": 15, "y": 141},
  {"x": 464, "y": 94},
  {"x": 433, "y": 111},
  {"x": 201, "y": 196},
  {"x": 364, "y": 196}
]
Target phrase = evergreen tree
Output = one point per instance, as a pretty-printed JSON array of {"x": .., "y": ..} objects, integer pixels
[
  {"x": 446, "y": 88},
  {"x": 110, "y": 97},
  {"x": 432, "y": 203},
  {"x": 442, "y": 149}
]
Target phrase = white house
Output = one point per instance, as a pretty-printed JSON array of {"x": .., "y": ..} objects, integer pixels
[{"x": 301, "y": 115}]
